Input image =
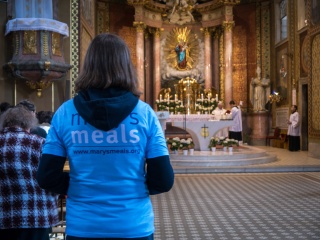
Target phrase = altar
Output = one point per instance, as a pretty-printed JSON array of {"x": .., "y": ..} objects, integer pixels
[{"x": 200, "y": 127}]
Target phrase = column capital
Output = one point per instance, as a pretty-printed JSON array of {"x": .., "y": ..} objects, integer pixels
[
  {"x": 217, "y": 32},
  {"x": 228, "y": 25},
  {"x": 156, "y": 31},
  {"x": 140, "y": 26},
  {"x": 206, "y": 31}
]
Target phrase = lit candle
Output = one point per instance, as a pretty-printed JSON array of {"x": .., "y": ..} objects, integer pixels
[
  {"x": 175, "y": 97},
  {"x": 217, "y": 97},
  {"x": 160, "y": 97},
  {"x": 202, "y": 96}
]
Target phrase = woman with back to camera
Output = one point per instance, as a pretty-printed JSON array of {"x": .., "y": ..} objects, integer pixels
[
  {"x": 27, "y": 212},
  {"x": 109, "y": 136}
]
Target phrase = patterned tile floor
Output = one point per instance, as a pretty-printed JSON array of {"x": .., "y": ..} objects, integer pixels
[{"x": 240, "y": 206}]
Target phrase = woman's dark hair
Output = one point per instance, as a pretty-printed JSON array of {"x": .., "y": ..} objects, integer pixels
[
  {"x": 18, "y": 116},
  {"x": 4, "y": 106},
  {"x": 108, "y": 64},
  {"x": 44, "y": 116},
  {"x": 27, "y": 105}
]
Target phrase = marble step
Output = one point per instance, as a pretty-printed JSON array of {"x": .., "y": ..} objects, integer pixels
[
  {"x": 242, "y": 156},
  {"x": 224, "y": 162}
]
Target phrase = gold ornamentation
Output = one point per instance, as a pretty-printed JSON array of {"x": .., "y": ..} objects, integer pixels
[
  {"x": 45, "y": 43},
  {"x": 103, "y": 17},
  {"x": 204, "y": 131},
  {"x": 217, "y": 32},
  {"x": 181, "y": 49},
  {"x": 140, "y": 26},
  {"x": 157, "y": 32},
  {"x": 315, "y": 84},
  {"x": 228, "y": 25},
  {"x": 56, "y": 46},
  {"x": 29, "y": 42},
  {"x": 39, "y": 86},
  {"x": 222, "y": 66},
  {"x": 205, "y": 31},
  {"x": 47, "y": 65},
  {"x": 16, "y": 43}
]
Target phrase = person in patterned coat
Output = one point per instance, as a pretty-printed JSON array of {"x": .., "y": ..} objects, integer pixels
[{"x": 27, "y": 212}]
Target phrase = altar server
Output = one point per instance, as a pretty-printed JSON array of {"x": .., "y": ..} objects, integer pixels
[
  {"x": 235, "y": 131},
  {"x": 294, "y": 129}
]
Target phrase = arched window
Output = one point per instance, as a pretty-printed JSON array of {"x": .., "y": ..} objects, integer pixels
[{"x": 283, "y": 20}]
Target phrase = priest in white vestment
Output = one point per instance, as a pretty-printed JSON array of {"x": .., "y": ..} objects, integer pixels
[{"x": 218, "y": 112}]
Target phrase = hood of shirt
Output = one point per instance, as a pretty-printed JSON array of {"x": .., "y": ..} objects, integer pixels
[{"x": 105, "y": 109}]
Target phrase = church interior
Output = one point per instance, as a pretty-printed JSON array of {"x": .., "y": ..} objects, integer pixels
[{"x": 263, "y": 54}]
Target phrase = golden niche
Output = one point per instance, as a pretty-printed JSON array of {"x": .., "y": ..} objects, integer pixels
[
  {"x": 181, "y": 49},
  {"x": 29, "y": 42}
]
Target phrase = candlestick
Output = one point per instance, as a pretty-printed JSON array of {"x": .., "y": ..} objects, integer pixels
[
  {"x": 217, "y": 97},
  {"x": 175, "y": 97},
  {"x": 160, "y": 97},
  {"x": 202, "y": 96}
]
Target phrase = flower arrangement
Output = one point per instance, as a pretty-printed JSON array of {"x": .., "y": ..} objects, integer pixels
[
  {"x": 190, "y": 143},
  {"x": 180, "y": 109},
  {"x": 186, "y": 144},
  {"x": 205, "y": 105},
  {"x": 162, "y": 105},
  {"x": 226, "y": 143},
  {"x": 230, "y": 142},
  {"x": 233, "y": 142},
  {"x": 174, "y": 143},
  {"x": 213, "y": 142}
]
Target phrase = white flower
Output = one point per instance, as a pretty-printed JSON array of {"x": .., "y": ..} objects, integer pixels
[{"x": 174, "y": 144}]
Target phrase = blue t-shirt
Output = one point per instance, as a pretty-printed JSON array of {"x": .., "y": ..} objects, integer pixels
[{"x": 107, "y": 195}]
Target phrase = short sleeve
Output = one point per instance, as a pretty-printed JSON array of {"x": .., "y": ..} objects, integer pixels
[{"x": 156, "y": 142}]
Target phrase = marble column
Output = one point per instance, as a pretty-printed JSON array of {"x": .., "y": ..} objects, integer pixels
[
  {"x": 156, "y": 63},
  {"x": 228, "y": 86},
  {"x": 216, "y": 62},
  {"x": 140, "y": 26},
  {"x": 207, "y": 59}
]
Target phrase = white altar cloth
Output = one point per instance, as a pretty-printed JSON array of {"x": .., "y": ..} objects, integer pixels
[{"x": 200, "y": 127}]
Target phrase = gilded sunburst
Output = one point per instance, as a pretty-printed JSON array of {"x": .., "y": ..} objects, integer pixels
[{"x": 181, "y": 49}]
